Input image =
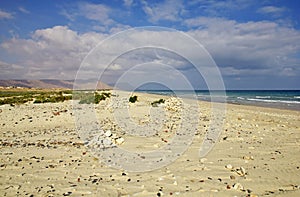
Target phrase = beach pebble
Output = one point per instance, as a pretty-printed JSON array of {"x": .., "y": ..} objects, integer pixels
[
  {"x": 108, "y": 133},
  {"x": 106, "y": 142},
  {"x": 120, "y": 141},
  {"x": 248, "y": 158},
  {"x": 241, "y": 171},
  {"x": 238, "y": 186},
  {"x": 229, "y": 166},
  {"x": 67, "y": 193}
]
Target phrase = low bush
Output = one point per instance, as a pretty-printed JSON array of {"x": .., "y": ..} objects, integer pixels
[
  {"x": 155, "y": 103},
  {"x": 133, "y": 99},
  {"x": 95, "y": 97}
]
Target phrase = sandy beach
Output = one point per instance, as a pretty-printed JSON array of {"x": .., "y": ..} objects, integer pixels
[{"x": 42, "y": 154}]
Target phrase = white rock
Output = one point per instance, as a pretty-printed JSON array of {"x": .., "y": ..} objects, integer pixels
[
  {"x": 120, "y": 141},
  {"x": 229, "y": 166},
  {"x": 106, "y": 142},
  {"x": 238, "y": 186},
  {"x": 108, "y": 133}
]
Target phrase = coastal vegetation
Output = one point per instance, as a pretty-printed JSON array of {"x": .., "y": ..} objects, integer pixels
[
  {"x": 13, "y": 97},
  {"x": 91, "y": 97},
  {"x": 156, "y": 103},
  {"x": 133, "y": 99}
]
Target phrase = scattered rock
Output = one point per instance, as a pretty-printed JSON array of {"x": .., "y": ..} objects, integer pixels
[
  {"x": 248, "y": 158},
  {"x": 119, "y": 141},
  {"x": 55, "y": 113},
  {"x": 238, "y": 186},
  {"x": 241, "y": 171},
  {"x": 229, "y": 166},
  {"x": 108, "y": 133},
  {"x": 67, "y": 193}
]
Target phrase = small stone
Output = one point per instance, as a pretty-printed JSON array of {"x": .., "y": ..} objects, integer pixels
[
  {"x": 232, "y": 177},
  {"x": 106, "y": 142},
  {"x": 67, "y": 193},
  {"x": 238, "y": 186},
  {"x": 243, "y": 170},
  {"x": 229, "y": 166},
  {"x": 108, "y": 133},
  {"x": 120, "y": 141},
  {"x": 248, "y": 158}
]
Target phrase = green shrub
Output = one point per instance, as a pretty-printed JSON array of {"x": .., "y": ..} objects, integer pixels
[
  {"x": 133, "y": 99},
  {"x": 20, "y": 97},
  {"x": 37, "y": 101},
  {"x": 155, "y": 103},
  {"x": 88, "y": 98}
]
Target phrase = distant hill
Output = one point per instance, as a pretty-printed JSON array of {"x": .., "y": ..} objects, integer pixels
[{"x": 50, "y": 84}]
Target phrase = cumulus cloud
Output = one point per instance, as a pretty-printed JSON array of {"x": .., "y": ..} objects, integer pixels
[
  {"x": 262, "y": 47},
  {"x": 11, "y": 71},
  {"x": 5, "y": 15},
  {"x": 51, "y": 53},
  {"x": 168, "y": 10},
  {"x": 240, "y": 49}
]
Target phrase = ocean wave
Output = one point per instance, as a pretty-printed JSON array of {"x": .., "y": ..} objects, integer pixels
[
  {"x": 274, "y": 101},
  {"x": 298, "y": 97},
  {"x": 262, "y": 97}
]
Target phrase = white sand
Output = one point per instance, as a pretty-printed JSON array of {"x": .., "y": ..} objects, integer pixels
[{"x": 42, "y": 155}]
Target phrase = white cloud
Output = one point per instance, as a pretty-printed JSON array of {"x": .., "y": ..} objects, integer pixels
[
  {"x": 169, "y": 10},
  {"x": 11, "y": 71},
  {"x": 272, "y": 10},
  {"x": 219, "y": 8},
  {"x": 51, "y": 53},
  {"x": 128, "y": 3},
  {"x": 240, "y": 49},
  {"x": 97, "y": 12},
  {"x": 254, "y": 46},
  {"x": 23, "y": 10},
  {"x": 5, "y": 15}
]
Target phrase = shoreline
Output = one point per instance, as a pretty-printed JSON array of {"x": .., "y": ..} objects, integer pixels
[{"x": 283, "y": 106}]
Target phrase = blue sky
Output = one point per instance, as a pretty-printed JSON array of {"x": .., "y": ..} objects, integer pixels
[{"x": 255, "y": 43}]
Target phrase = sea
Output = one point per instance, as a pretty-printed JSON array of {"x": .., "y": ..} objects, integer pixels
[{"x": 283, "y": 99}]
